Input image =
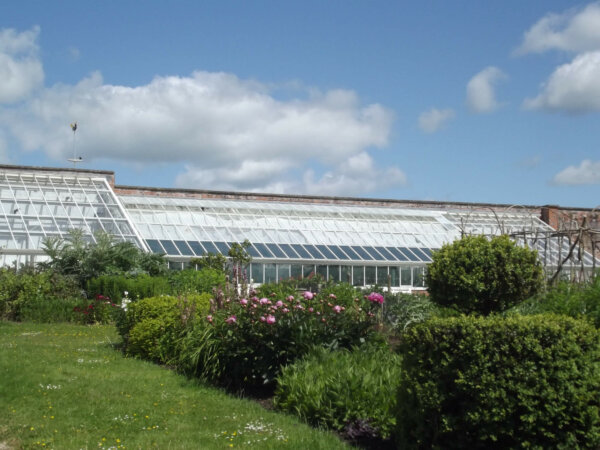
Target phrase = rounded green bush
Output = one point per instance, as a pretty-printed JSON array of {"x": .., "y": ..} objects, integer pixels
[
  {"x": 518, "y": 382},
  {"x": 480, "y": 275}
]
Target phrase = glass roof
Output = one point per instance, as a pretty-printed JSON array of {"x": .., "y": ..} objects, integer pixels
[{"x": 37, "y": 205}]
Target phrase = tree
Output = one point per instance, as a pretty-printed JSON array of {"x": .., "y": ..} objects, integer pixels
[{"x": 480, "y": 275}]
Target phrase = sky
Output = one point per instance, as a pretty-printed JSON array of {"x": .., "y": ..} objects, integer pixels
[{"x": 466, "y": 101}]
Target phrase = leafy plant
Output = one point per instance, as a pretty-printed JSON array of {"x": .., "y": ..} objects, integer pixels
[
  {"x": 479, "y": 275},
  {"x": 343, "y": 390},
  {"x": 477, "y": 382},
  {"x": 100, "y": 310}
]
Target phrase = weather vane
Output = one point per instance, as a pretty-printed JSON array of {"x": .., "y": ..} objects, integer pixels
[{"x": 74, "y": 160}]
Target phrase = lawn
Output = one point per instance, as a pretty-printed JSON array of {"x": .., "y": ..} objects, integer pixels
[{"x": 66, "y": 387}]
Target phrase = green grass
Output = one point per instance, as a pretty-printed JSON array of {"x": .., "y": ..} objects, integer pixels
[{"x": 64, "y": 386}]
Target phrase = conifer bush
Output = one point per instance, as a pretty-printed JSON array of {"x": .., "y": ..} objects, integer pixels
[{"x": 493, "y": 382}]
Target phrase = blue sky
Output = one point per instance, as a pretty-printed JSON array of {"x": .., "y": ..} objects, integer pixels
[{"x": 471, "y": 101}]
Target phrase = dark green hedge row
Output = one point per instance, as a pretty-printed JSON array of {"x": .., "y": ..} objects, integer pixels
[{"x": 518, "y": 382}]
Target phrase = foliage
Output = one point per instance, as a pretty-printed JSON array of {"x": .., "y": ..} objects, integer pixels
[
  {"x": 195, "y": 281},
  {"x": 137, "y": 286},
  {"x": 403, "y": 310},
  {"x": 210, "y": 260},
  {"x": 479, "y": 275},
  {"x": 476, "y": 382},
  {"x": 100, "y": 310},
  {"x": 243, "y": 344},
  {"x": 151, "y": 326},
  {"x": 574, "y": 300},
  {"x": 37, "y": 296},
  {"x": 83, "y": 260},
  {"x": 343, "y": 388}
]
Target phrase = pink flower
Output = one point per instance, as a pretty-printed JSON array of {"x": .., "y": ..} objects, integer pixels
[
  {"x": 243, "y": 302},
  {"x": 270, "y": 319},
  {"x": 209, "y": 318},
  {"x": 311, "y": 309},
  {"x": 374, "y": 297},
  {"x": 285, "y": 310},
  {"x": 299, "y": 306},
  {"x": 308, "y": 295},
  {"x": 254, "y": 299},
  {"x": 279, "y": 303},
  {"x": 332, "y": 296},
  {"x": 231, "y": 319},
  {"x": 337, "y": 309},
  {"x": 264, "y": 301},
  {"x": 254, "y": 305},
  {"x": 263, "y": 319},
  {"x": 290, "y": 298}
]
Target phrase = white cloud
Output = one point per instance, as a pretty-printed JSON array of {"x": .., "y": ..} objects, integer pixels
[
  {"x": 20, "y": 68},
  {"x": 481, "y": 97},
  {"x": 576, "y": 30},
  {"x": 588, "y": 172},
  {"x": 573, "y": 87},
  {"x": 432, "y": 120},
  {"x": 230, "y": 133}
]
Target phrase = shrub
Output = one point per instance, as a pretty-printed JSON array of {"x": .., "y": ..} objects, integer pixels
[
  {"x": 137, "y": 287},
  {"x": 480, "y": 275},
  {"x": 37, "y": 296},
  {"x": 524, "y": 381},
  {"x": 575, "y": 300},
  {"x": 341, "y": 389},
  {"x": 242, "y": 345},
  {"x": 100, "y": 310},
  {"x": 151, "y": 326},
  {"x": 196, "y": 281}
]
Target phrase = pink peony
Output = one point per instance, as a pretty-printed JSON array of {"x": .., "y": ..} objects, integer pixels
[
  {"x": 311, "y": 309},
  {"x": 285, "y": 310},
  {"x": 231, "y": 319},
  {"x": 308, "y": 295},
  {"x": 374, "y": 297},
  {"x": 279, "y": 303},
  {"x": 263, "y": 319},
  {"x": 337, "y": 309},
  {"x": 270, "y": 319},
  {"x": 290, "y": 298},
  {"x": 264, "y": 301},
  {"x": 332, "y": 296},
  {"x": 209, "y": 318},
  {"x": 299, "y": 306},
  {"x": 243, "y": 302}
]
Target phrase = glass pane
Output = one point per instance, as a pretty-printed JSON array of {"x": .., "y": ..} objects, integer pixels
[
  {"x": 313, "y": 251},
  {"x": 334, "y": 273},
  {"x": 223, "y": 248},
  {"x": 363, "y": 254},
  {"x": 262, "y": 248},
  {"x": 301, "y": 251},
  {"x": 394, "y": 251},
  {"x": 322, "y": 270},
  {"x": 270, "y": 273},
  {"x": 155, "y": 246},
  {"x": 395, "y": 276},
  {"x": 308, "y": 270},
  {"x": 210, "y": 248},
  {"x": 382, "y": 276},
  {"x": 410, "y": 255},
  {"x": 418, "y": 277},
  {"x": 328, "y": 253},
  {"x": 288, "y": 250},
  {"x": 374, "y": 253},
  {"x": 385, "y": 253},
  {"x": 253, "y": 252},
  {"x": 296, "y": 271},
  {"x": 257, "y": 272},
  {"x": 338, "y": 252},
  {"x": 170, "y": 247},
  {"x": 198, "y": 249},
  {"x": 351, "y": 253},
  {"x": 183, "y": 248},
  {"x": 283, "y": 271},
  {"x": 419, "y": 253},
  {"x": 406, "y": 278},
  {"x": 276, "y": 251},
  {"x": 370, "y": 275},
  {"x": 346, "y": 274},
  {"x": 358, "y": 276}
]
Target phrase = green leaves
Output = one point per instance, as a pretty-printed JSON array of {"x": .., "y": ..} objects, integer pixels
[{"x": 480, "y": 275}]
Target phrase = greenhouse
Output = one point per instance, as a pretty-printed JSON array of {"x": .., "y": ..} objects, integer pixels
[{"x": 360, "y": 241}]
